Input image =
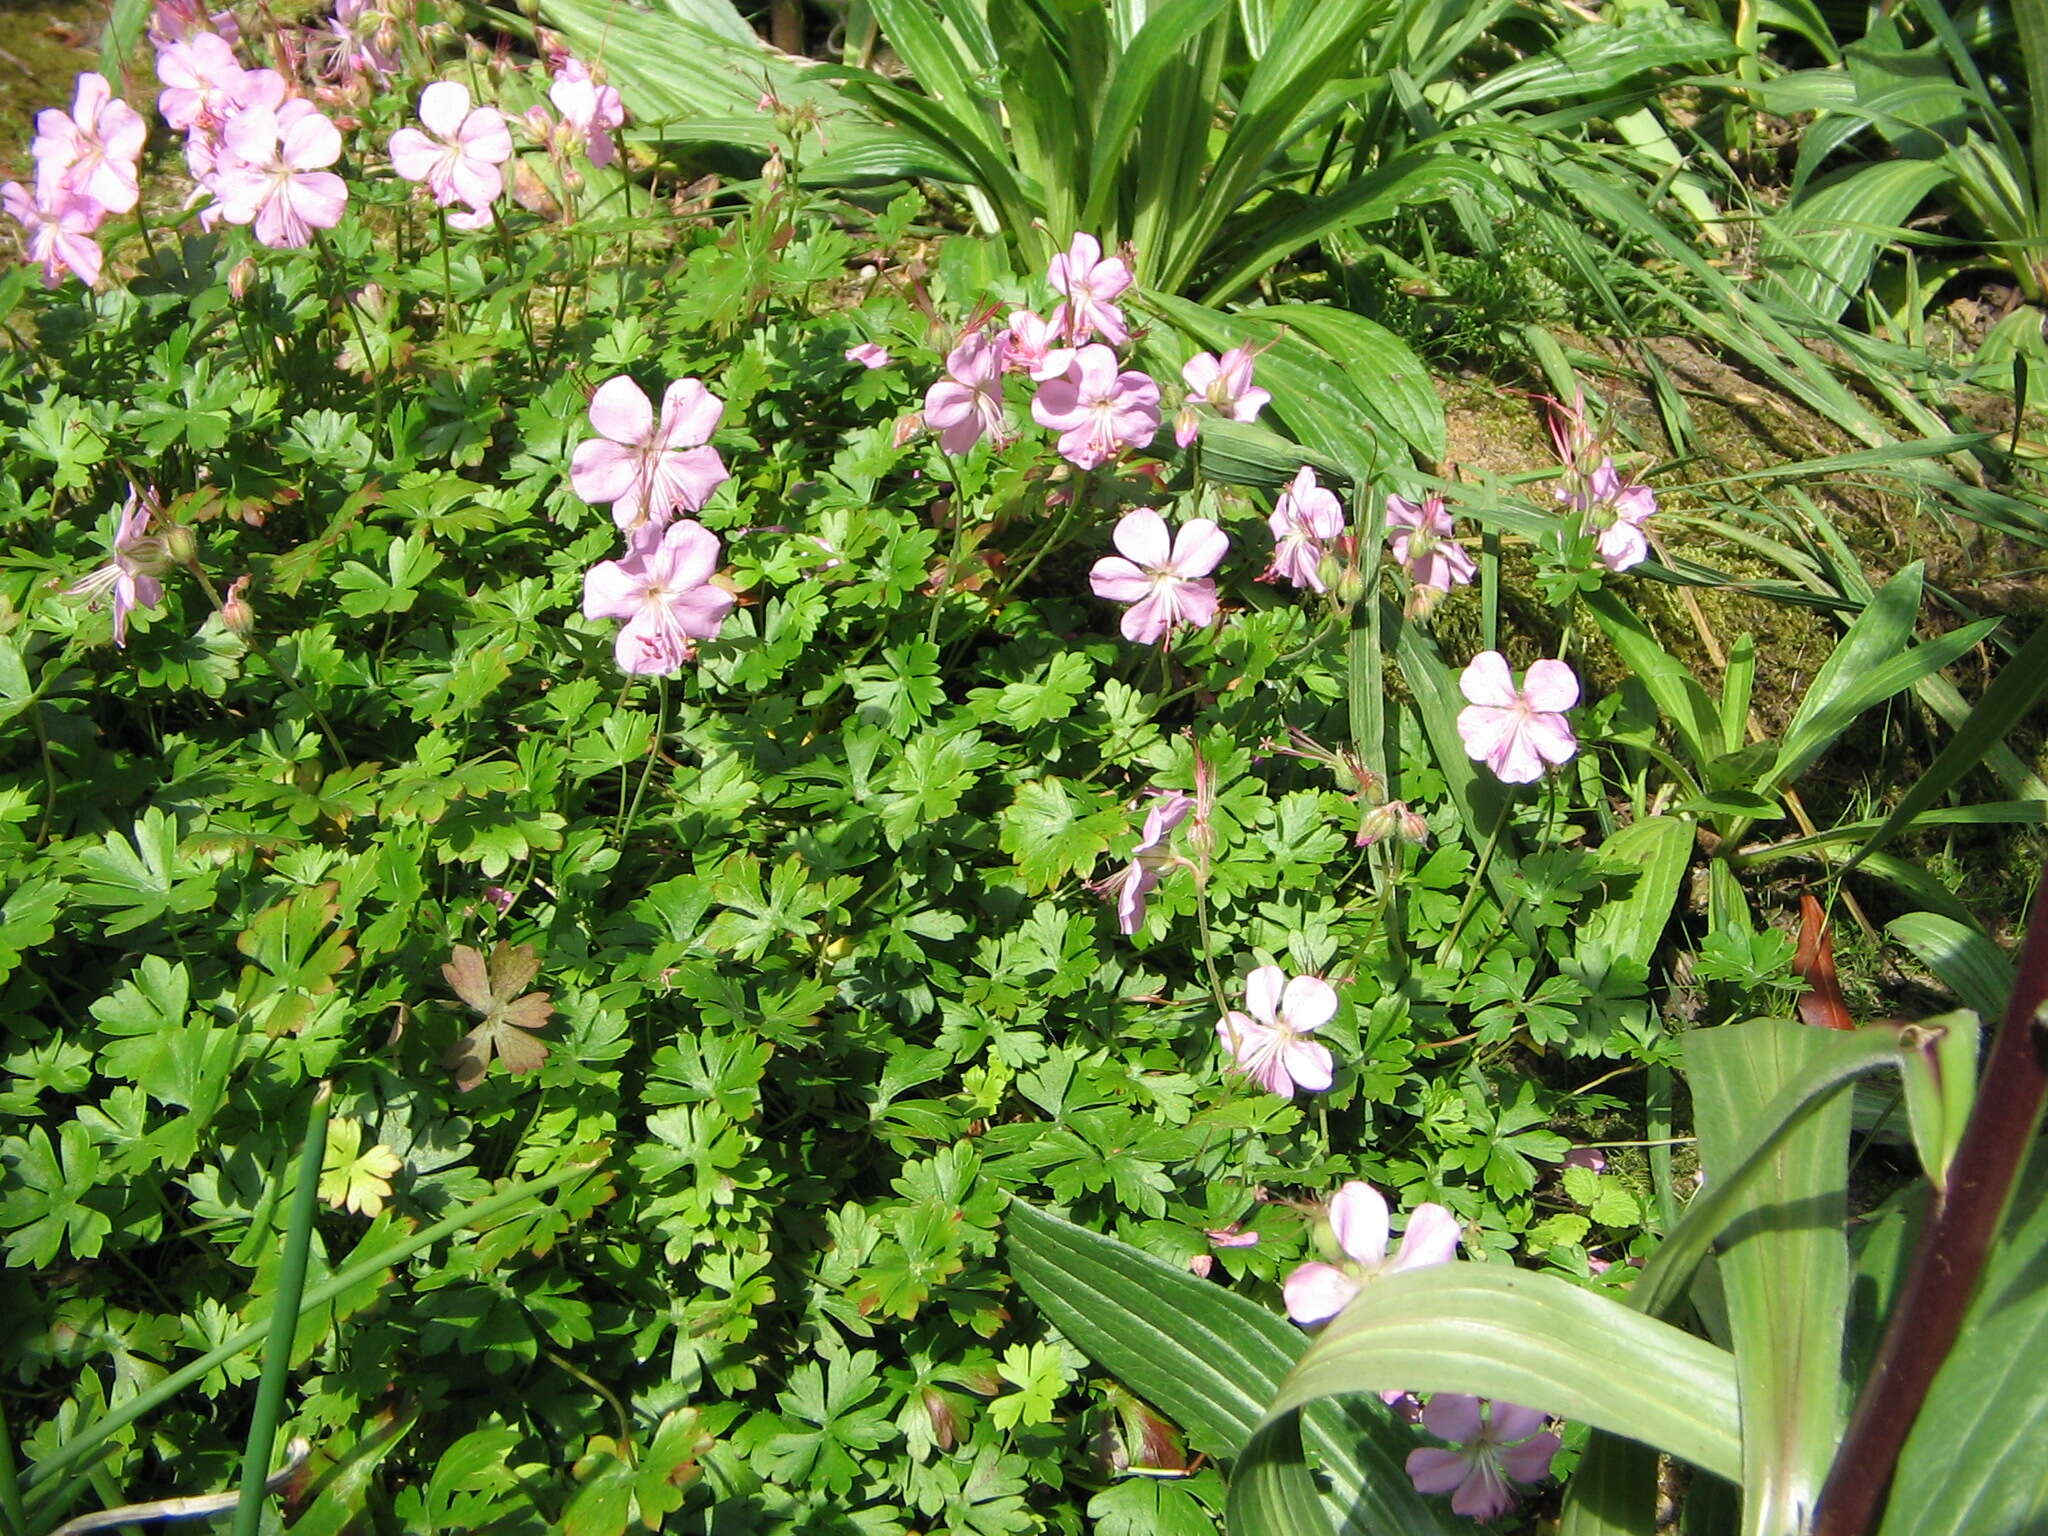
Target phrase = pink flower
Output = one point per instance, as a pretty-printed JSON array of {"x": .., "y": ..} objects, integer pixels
[
  {"x": 59, "y": 227},
  {"x": 644, "y": 468},
  {"x": 360, "y": 40},
  {"x": 1317, "y": 1292},
  {"x": 200, "y": 76},
  {"x": 131, "y": 571},
  {"x": 93, "y": 149},
  {"x": 1166, "y": 581},
  {"x": 1618, "y": 510},
  {"x": 869, "y": 355},
  {"x": 662, "y": 590},
  {"x": 967, "y": 405},
  {"x": 591, "y": 109},
  {"x": 460, "y": 162},
  {"x": 1222, "y": 384},
  {"x": 1421, "y": 540},
  {"x": 1090, "y": 281},
  {"x": 1034, "y": 347},
  {"x": 1268, "y": 1044},
  {"x": 1097, "y": 411},
  {"x": 1516, "y": 733},
  {"x": 1506, "y": 1447},
  {"x": 271, "y": 174},
  {"x": 1152, "y": 857},
  {"x": 172, "y": 21},
  {"x": 1303, "y": 520}
]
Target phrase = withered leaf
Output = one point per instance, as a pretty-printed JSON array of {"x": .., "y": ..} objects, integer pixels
[{"x": 494, "y": 990}]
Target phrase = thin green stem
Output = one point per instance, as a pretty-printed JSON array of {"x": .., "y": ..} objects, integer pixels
[
  {"x": 647, "y": 770},
  {"x": 284, "y": 1318},
  {"x": 10, "y": 1490},
  {"x": 270, "y": 661},
  {"x": 90, "y": 1438}
]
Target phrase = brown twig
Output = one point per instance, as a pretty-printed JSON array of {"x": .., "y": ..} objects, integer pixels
[{"x": 1954, "y": 1245}]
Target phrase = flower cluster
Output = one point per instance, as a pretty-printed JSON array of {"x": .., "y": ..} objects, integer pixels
[
  {"x": 131, "y": 576},
  {"x": 459, "y": 155},
  {"x": 86, "y": 168},
  {"x": 648, "y": 469},
  {"x": 1614, "y": 510}
]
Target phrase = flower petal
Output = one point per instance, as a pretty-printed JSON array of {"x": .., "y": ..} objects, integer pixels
[
  {"x": 1316, "y": 1293},
  {"x": 1453, "y": 1416},
  {"x": 1433, "y": 1470},
  {"x": 1529, "y": 1462},
  {"x": 1115, "y": 578},
  {"x": 1550, "y": 686},
  {"x": 602, "y": 471},
  {"x": 1141, "y": 537},
  {"x": 1308, "y": 1003},
  {"x": 1432, "y": 1238},
  {"x": 1262, "y": 993},
  {"x": 1199, "y": 548},
  {"x": 443, "y": 106},
  {"x": 621, "y": 410},
  {"x": 1486, "y": 680},
  {"x": 1358, "y": 1216},
  {"x": 689, "y": 414}
]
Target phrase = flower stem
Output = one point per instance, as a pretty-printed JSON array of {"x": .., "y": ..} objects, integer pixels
[
  {"x": 270, "y": 661},
  {"x": 647, "y": 771},
  {"x": 284, "y": 1318}
]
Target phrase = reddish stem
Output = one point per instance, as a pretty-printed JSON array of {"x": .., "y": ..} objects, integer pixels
[{"x": 1954, "y": 1245}]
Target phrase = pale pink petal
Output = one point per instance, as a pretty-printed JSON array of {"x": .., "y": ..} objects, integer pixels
[
  {"x": 1529, "y": 1462},
  {"x": 309, "y": 141},
  {"x": 413, "y": 154},
  {"x": 1550, "y": 738},
  {"x": 1483, "y": 1495},
  {"x": 473, "y": 182},
  {"x": 1358, "y": 1215},
  {"x": 1146, "y": 621},
  {"x": 1194, "y": 602},
  {"x": 1115, "y": 578},
  {"x": 601, "y": 470},
  {"x": 1263, "y": 990},
  {"x": 1433, "y": 1470},
  {"x": 699, "y": 611},
  {"x": 1453, "y": 1416},
  {"x": 1514, "y": 758},
  {"x": 484, "y": 136},
  {"x": 1316, "y": 1293},
  {"x": 609, "y": 592},
  {"x": 443, "y": 106},
  {"x": 621, "y": 410},
  {"x": 687, "y": 479},
  {"x": 688, "y": 554},
  {"x": 1550, "y": 686},
  {"x": 1486, "y": 680},
  {"x": 689, "y": 414},
  {"x": 1311, "y": 1066},
  {"x": 319, "y": 198},
  {"x": 1198, "y": 548},
  {"x": 1511, "y": 1421},
  {"x": 1141, "y": 536},
  {"x": 1308, "y": 1003},
  {"x": 1431, "y": 1238}
]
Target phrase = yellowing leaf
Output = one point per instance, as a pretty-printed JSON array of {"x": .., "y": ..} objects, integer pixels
[
  {"x": 491, "y": 989},
  {"x": 352, "y": 1179}
]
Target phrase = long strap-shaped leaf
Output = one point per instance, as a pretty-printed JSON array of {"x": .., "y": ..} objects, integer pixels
[{"x": 1535, "y": 1339}]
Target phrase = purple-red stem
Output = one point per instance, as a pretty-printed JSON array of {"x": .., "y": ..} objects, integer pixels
[{"x": 1954, "y": 1245}]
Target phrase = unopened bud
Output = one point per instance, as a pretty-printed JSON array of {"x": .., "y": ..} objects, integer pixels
[
  {"x": 531, "y": 193},
  {"x": 239, "y": 277},
  {"x": 1347, "y": 584},
  {"x": 907, "y": 427},
  {"x": 235, "y": 613},
  {"x": 181, "y": 544}
]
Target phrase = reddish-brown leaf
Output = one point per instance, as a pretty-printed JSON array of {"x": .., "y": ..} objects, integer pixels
[{"x": 1821, "y": 1004}]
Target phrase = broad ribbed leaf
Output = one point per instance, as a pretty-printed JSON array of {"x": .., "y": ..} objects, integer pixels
[
  {"x": 1678, "y": 695},
  {"x": 1784, "y": 1258},
  {"x": 1271, "y": 1490},
  {"x": 1211, "y": 1361},
  {"x": 1535, "y": 1339},
  {"x": 1644, "y": 863},
  {"x": 1821, "y": 247},
  {"x": 1594, "y": 59},
  {"x": 1968, "y": 963},
  {"x": 1613, "y": 1492},
  {"x": 1134, "y": 76},
  {"x": 1386, "y": 374}
]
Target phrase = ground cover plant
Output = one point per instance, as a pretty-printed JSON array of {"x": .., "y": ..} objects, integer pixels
[{"x": 805, "y": 811}]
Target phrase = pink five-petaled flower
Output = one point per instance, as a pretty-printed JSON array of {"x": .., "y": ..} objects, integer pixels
[
  {"x": 459, "y": 163},
  {"x": 1317, "y": 1292},
  {"x": 131, "y": 572},
  {"x": 1269, "y": 1043},
  {"x": 1097, "y": 410},
  {"x": 1516, "y": 732},
  {"x": 1619, "y": 510},
  {"x": 1422, "y": 543},
  {"x": 1224, "y": 385},
  {"x": 967, "y": 405},
  {"x": 1505, "y": 1448},
  {"x": 200, "y": 76},
  {"x": 92, "y": 149},
  {"x": 1165, "y": 578},
  {"x": 1303, "y": 520},
  {"x": 1089, "y": 280},
  {"x": 1033, "y": 347},
  {"x": 1129, "y": 886},
  {"x": 271, "y": 173},
  {"x": 59, "y": 226},
  {"x": 644, "y": 468},
  {"x": 593, "y": 110},
  {"x": 662, "y": 589}
]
